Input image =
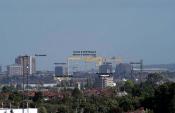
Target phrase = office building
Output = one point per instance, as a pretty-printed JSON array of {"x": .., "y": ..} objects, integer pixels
[
  {"x": 105, "y": 68},
  {"x": 122, "y": 70},
  {"x": 28, "y": 63},
  {"x": 60, "y": 69},
  {"x": 14, "y": 69},
  {"x": 103, "y": 81}
]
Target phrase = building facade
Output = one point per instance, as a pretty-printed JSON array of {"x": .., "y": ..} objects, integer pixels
[
  {"x": 60, "y": 69},
  {"x": 104, "y": 81},
  {"x": 123, "y": 70},
  {"x": 14, "y": 69},
  {"x": 28, "y": 64},
  {"x": 105, "y": 68}
]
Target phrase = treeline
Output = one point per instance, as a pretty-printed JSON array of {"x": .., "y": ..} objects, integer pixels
[{"x": 155, "y": 95}]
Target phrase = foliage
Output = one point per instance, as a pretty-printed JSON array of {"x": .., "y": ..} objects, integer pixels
[
  {"x": 76, "y": 93},
  {"x": 126, "y": 104},
  {"x": 128, "y": 86},
  {"x": 163, "y": 100},
  {"x": 164, "y": 97},
  {"x": 154, "y": 78},
  {"x": 15, "y": 97},
  {"x": 8, "y": 89},
  {"x": 153, "y": 97},
  {"x": 38, "y": 98},
  {"x": 42, "y": 110}
]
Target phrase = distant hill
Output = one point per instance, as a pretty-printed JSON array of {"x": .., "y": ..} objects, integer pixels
[{"x": 169, "y": 67}]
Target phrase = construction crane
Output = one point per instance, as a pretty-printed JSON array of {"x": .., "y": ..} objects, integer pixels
[
  {"x": 39, "y": 55},
  {"x": 56, "y": 63}
]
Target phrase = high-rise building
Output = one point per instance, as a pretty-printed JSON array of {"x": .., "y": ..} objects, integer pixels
[
  {"x": 28, "y": 63},
  {"x": 14, "y": 69},
  {"x": 123, "y": 70},
  {"x": 104, "y": 81},
  {"x": 105, "y": 68},
  {"x": 105, "y": 77},
  {"x": 60, "y": 69}
]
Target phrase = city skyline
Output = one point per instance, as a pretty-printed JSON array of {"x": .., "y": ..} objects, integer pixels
[{"x": 131, "y": 29}]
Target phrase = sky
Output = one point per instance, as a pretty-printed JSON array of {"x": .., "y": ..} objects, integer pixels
[{"x": 132, "y": 29}]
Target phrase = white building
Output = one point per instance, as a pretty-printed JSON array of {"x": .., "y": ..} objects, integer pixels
[
  {"x": 28, "y": 63},
  {"x": 14, "y": 69},
  {"x": 104, "y": 81},
  {"x": 29, "y": 110}
]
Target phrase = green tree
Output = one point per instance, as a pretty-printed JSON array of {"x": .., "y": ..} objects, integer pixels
[
  {"x": 129, "y": 84},
  {"x": 147, "y": 89},
  {"x": 38, "y": 97},
  {"x": 163, "y": 100},
  {"x": 8, "y": 89},
  {"x": 76, "y": 93},
  {"x": 62, "y": 108},
  {"x": 90, "y": 108},
  {"x": 126, "y": 104},
  {"x": 15, "y": 97},
  {"x": 164, "y": 97},
  {"x": 42, "y": 110},
  {"x": 154, "y": 78},
  {"x": 136, "y": 91}
]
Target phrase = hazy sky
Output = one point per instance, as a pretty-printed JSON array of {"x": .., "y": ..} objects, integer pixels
[{"x": 134, "y": 29}]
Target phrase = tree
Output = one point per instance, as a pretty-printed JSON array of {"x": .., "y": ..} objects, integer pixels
[
  {"x": 63, "y": 109},
  {"x": 154, "y": 78},
  {"x": 42, "y": 110},
  {"x": 38, "y": 97},
  {"x": 164, "y": 97},
  {"x": 126, "y": 104},
  {"x": 136, "y": 91},
  {"x": 90, "y": 108},
  {"x": 147, "y": 89},
  {"x": 76, "y": 93},
  {"x": 15, "y": 97},
  {"x": 8, "y": 89},
  {"x": 128, "y": 86}
]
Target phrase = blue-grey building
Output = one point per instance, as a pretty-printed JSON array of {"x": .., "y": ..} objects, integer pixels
[{"x": 105, "y": 68}]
